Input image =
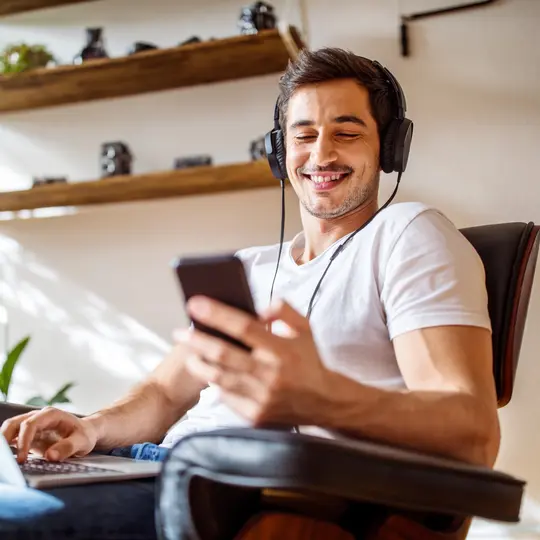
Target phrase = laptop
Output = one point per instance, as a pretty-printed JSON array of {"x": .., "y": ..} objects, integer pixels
[{"x": 40, "y": 473}]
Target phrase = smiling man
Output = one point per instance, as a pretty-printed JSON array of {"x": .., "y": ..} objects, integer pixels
[
  {"x": 395, "y": 345},
  {"x": 380, "y": 330}
]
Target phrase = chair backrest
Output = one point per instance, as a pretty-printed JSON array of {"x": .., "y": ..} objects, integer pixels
[{"x": 509, "y": 252}]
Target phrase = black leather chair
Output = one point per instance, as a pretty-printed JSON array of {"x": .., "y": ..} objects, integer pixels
[{"x": 263, "y": 484}]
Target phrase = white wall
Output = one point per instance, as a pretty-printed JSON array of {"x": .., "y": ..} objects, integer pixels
[{"x": 94, "y": 288}]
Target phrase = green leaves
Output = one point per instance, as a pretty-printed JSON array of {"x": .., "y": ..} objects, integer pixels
[
  {"x": 59, "y": 397},
  {"x": 6, "y": 375},
  {"x": 9, "y": 365}
]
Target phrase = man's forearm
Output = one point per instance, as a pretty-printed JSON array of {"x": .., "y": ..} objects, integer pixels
[
  {"x": 144, "y": 415},
  {"x": 450, "y": 424}
]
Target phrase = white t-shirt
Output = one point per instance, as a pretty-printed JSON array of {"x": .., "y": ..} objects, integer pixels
[{"x": 410, "y": 268}]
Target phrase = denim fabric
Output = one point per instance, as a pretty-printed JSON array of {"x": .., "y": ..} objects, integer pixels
[
  {"x": 108, "y": 511},
  {"x": 144, "y": 451}
]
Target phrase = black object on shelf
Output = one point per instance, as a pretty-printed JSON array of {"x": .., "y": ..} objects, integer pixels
[
  {"x": 192, "y": 161},
  {"x": 38, "y": 181},
  {"x": 256, "y": 17},
  {"x": 116, "y": 159},
  {"x": 141, "y": 46},
  {"x": 193, "y": 39},
  {"x": 406, "y": 19},
  {"x": 94, "y": 47},
  {"x": 257, "y": 149}
]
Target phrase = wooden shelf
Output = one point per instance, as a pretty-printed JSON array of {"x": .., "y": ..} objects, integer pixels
[
  {"x": 160, "y": 185},
  {"x": 9, "y": 7},
  {"x": 151, "y": 71}
]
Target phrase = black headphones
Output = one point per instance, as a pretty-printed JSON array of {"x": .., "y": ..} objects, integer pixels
[{"x": 395, "y": 141}]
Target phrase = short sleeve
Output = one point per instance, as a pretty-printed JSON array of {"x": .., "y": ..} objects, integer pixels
[{"x": 433, "y": 277}]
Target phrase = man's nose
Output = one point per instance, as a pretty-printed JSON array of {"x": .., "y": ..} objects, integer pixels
[{"x": 323, "y": 152}]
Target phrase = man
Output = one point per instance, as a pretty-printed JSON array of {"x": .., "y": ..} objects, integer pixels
[{"x": 397, "y": 346}]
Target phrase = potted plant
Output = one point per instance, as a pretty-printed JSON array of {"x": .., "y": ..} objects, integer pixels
[{"x": 6, "y": 374}]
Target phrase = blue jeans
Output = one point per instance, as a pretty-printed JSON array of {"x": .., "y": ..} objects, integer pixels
[{"x": 108, "y": 511}]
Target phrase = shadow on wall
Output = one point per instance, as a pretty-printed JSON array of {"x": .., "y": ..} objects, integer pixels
[{"x": 108, "y": 351}]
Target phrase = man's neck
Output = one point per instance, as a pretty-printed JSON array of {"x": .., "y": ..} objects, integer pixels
[{"x": 319, "y": 234}]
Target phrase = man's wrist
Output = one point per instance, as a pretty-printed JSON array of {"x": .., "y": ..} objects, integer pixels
[
  {"x": 339, "y": 400},
  {"x": 95, "y": 423}
]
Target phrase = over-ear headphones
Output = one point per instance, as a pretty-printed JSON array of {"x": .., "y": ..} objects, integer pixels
[{"x": 395, "y": 141}]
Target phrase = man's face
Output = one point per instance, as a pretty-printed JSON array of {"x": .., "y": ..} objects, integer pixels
[{"x": 332, "y": 148}]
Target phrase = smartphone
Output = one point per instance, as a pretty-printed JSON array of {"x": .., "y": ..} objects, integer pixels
[{"x": 221, "y": 277}]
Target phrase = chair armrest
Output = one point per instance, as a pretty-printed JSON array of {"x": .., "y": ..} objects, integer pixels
[
  {"x": 8, "y": 410},
  {"x": 356, "y": 470}
]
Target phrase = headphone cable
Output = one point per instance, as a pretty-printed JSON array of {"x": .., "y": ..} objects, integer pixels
[{"x": 337, "y": 251}]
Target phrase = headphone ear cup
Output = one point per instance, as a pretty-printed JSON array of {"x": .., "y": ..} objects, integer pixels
[
  {"x": 275, "y": 153},
  {"x": 402, "y": 144},
  {"x": 395, "y": 145},
  {"x": 388, "y": 147}
]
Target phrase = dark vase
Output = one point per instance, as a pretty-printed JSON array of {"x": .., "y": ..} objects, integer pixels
[{"x": 94, "y": 46}]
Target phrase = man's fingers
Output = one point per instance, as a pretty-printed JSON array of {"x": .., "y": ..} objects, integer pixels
[
  {"x": 282, "y": 311},
  {"x": 233, "y": 322},
  {"x": 27, "y": 432},
  {"x": 66, "y": 448},
  {"x": 238, "y": 383},
  {"x": 47, "y": 418},
  {"x": 10, "y": 427},
  {"x": 217, "y": 351}
]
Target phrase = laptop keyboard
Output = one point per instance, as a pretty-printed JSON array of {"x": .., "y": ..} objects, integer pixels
[{"x": 41, "y": 466}]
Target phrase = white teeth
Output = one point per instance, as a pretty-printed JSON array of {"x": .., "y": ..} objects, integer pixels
[{"x": 320, "y": 179}]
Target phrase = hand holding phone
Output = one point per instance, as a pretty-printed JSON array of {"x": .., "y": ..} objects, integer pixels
[{"x": 221, "y": 277}]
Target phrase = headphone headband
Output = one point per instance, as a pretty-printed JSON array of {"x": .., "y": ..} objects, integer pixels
[
  {"x": 401, "y": 103},
  {"x": 276, "y": 115}
]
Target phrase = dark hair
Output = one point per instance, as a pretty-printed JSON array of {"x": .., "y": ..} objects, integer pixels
[{"x": 326, "y": 64}]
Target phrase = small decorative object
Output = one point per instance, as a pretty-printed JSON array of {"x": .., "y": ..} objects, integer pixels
[
  {"x": 189, "y": 41},
  {"x": 192, "y": 161},
  {"x": 94, "y": 47},
  {"x": 48, "y": 180},
  {"x": 258, "y": 16},
  {"x": 141, "y": 46},
  {"x": 116, "y": 159},
  {"x": 257, "y": 149},
  {"x": 22, "y": 57}
]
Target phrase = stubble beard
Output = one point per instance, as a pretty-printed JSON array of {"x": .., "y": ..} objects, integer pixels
[{"x": 355, "y": 198}]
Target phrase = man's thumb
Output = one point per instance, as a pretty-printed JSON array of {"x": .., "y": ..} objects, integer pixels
[{"x": 64, "y": 449}]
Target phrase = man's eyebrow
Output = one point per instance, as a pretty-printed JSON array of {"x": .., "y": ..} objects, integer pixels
[{"x": 343, "y": 119}]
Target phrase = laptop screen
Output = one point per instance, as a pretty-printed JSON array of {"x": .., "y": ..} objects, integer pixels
[{"x": 10, "y": 473}]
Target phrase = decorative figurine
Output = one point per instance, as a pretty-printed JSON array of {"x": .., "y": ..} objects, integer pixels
[
  {"x": 258, "y": 16},
  {"x": 94, "y": 47},
  {"x": 38, "y": 181},
  {"x": 192, "y": 161},
  {"x": 141, "y": 46},
  {"x": 257, "y": 149},
  {"x": 189, "y": 41},
  {"x": 116, "y": 159}
]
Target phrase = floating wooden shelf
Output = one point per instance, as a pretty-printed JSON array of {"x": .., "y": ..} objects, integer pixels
[
  {"x": 175, "y": 183},
  {"x": 8, "y": 7},
  {"x": 150, "y": 71}
]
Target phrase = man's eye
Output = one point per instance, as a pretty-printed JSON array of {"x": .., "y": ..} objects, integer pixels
[
  {"x": 348, "y": 135},
  {"x": 304, "y": 137}
]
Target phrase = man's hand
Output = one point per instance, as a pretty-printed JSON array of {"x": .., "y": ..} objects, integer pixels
[
  {"x": 54, "y": 434},
  {"x": 281, "y": 381}
]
